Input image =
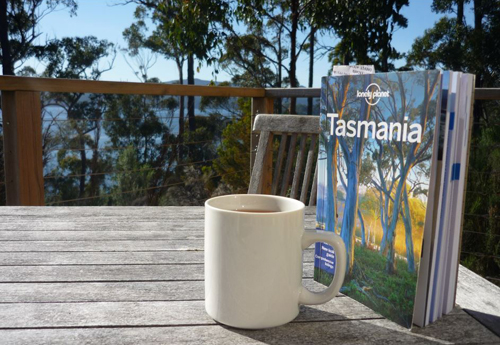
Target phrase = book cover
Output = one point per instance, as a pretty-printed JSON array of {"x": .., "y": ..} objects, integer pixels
[{"x": 374, "y": 179}]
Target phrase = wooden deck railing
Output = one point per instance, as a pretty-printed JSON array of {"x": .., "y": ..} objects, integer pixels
[{"x": 22, "y": 127}]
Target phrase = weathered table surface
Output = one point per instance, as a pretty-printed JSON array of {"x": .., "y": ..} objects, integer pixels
[{"x": 135, "y": 276}]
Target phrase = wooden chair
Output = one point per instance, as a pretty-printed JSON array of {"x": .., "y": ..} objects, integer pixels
[{"x": 289, "y": 129}]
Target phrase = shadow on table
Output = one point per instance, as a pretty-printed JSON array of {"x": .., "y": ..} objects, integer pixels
[
  {"x": 492, "y": 322},
  {"x": 323, "y": 327}
]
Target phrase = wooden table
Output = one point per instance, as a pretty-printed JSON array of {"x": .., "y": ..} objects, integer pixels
[{"x": 134, "y": 275}]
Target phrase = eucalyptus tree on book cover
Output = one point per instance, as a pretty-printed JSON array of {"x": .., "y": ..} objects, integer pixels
[{"x": 374, "y": 171}]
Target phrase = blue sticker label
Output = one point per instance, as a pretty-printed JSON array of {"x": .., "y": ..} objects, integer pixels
[
  {"x": 452, "y": 120},
  {"x": 324, "y": 257},
  {"x": 455, "y": 172}
]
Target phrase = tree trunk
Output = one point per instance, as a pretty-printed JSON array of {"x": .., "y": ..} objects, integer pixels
[
  {"x": 389, "y": 265},
  {"x": 332, "y": 217},
  {"x": 460, "y": 12},
  {"x": 279, "y": 100},
  {"x": 362, "y": 222},
  {"x": 293, "y": 48},
  {"x": 349, "y": 218},
  {"x": 478, "y": 55},
  {"x": 7, "y": 63},
  {"x": 410, "y": 257},
  {"x": 180, "y": 150},
  {"x": 94, "y": 179},
  {"x": 190, "y": 105},
  {"x": 312, "y": 38},
  {"x": 83, "y": 167}
]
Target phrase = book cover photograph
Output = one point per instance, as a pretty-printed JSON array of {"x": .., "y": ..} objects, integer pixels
[{"x": 379, "y": 138}]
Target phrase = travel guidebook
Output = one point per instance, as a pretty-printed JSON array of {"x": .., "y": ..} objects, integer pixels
[{"x": 391, "y": 176}]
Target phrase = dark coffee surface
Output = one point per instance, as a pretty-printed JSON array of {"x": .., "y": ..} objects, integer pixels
[{"x": 255, "y": 211}]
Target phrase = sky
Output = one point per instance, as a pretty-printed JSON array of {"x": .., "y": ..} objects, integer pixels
[{"x": 107, "y": 20}]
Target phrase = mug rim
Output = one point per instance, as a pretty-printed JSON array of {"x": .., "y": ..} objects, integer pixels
[{"x": 299, "y": 204}]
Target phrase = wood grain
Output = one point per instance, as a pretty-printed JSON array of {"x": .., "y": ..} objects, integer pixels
[
  {"x": 22, "y": 128},
  {"x": 116, "y": 314},
  {"x": 112, "y": 292},
  {"x": 279, "y": 163},
  {"x": 89, "y": 214},
  {"x": 13, "y": 83},
  {"x": 260, "y": 168},
  {"x": 260, "y": 105},
  {"x": 110, "y": 258},
  {"x": 311, "y": 157},
  {"x": 285, "y": 182},
  {"x": 299, "y": 165},
  {"x": 455, "y": 330},
  {"x": 314, "y": 188},
  {"x": 134, "y": 296},
  {"x": 302, "y": 124}
]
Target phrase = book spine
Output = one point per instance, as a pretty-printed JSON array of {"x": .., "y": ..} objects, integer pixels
[{"x": 470, "y": 117}]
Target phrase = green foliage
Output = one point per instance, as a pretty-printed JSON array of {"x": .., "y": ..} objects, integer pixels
[
  {"x": 194, "y": 188},
  {"x": 365, "y": 30},
  {"x": 192, "y": 28},
  {"x": 481, "y": 229},
  {"x": 454, "y": 44},
  {"x": 77, "y": 57},
  {"x": 391, "y": 295},
  {"x": 233, "y": 155},
  {"x": 131, "y": 183},
  {"x": 19, "y": 23},
  {"x": 140, "y": 125},
  {"x": 442, "y": 46}
]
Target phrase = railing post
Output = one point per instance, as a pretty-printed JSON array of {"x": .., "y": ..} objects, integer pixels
[
  {"x": 22, "y": 131},
  {"x": 261, "y": 105}
]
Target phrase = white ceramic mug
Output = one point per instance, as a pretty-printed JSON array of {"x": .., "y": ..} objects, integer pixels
[{"x": 253, "y": 260}]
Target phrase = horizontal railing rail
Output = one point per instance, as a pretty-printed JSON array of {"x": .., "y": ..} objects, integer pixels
[
  {"x": 13, "y": 83},
  {"x": 486, "y": 94}
]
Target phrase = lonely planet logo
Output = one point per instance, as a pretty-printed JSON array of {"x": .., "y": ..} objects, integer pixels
[{"x": 373, "y": 94}]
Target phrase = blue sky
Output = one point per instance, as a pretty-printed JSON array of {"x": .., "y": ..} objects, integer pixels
[{"x": 105, "y": 20}]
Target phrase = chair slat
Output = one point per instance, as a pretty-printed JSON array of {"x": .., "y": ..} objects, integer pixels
[
  {"x": 260, "y": 159},
  {"x": 289, "y": 162},
  {"x": 287, "y": 124},
  {"x": 279, "y": 163},
  {"x": 298, "y": 167},
  {"x": 314, "y": 189},
  {"x": 308, "y": 171},
  {"x": 264, "y": 179}
]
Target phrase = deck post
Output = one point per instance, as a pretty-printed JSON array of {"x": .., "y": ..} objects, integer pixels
[
  {"x": 260, "y": 105},
  {"x": 22, "y": 131}
]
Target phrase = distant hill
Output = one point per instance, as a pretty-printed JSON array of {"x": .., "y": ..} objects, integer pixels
[{"x": 201, "y": 82}]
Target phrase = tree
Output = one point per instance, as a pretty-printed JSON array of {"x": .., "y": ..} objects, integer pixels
[
  {"x": 194, "y": 29},
  {"x": 233, "y": 155},
  {"x": 403, "y": 156},
  {"x": 252, "y": 59},
  {"x": 139, "y": 39},
  {"x": 365, "y": 29},
  {"x": 288, "y": 17},
  {"x": 129, "y": 187},
  {"x": 79, "y": 58},
  {"x": 352, "y": 152},
  {"x": 452, "y": 44},
  {"x": 19, "y": 21}
]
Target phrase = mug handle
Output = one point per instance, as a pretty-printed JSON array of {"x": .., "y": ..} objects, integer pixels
[{"x": 309, "y": 237}]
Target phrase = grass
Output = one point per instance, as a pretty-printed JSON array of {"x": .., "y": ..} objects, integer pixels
[{"x": 391, "y": 295}]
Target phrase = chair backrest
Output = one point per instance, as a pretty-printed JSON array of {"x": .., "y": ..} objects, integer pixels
[{"x": 297, "y": 136}]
